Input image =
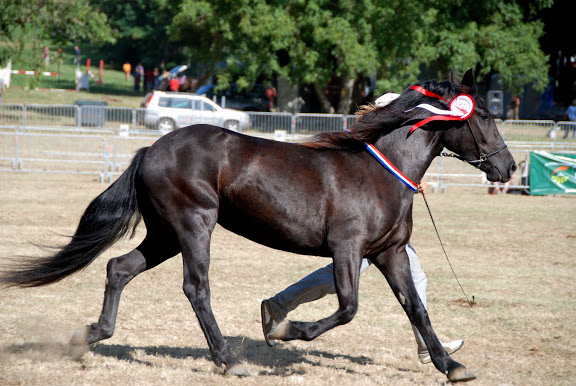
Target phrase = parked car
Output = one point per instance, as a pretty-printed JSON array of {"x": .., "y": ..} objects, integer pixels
[
  {"x": 167, "y": 111},
  {"x": 251, "y": 99}
]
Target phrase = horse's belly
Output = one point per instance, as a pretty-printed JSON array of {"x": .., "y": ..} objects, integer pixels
[{"x": 276, "y": 231}]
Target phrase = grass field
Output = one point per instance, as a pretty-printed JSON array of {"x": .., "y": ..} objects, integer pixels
[
  {"x": 514, "y": 254},
  {"x": 114, "y": 89}
]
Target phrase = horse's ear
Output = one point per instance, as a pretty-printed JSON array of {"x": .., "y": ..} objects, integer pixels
[
  {"x": 468, "y": 79},
  {"x": 468, "y": 86},
  {"x": 454, "y": 77}
]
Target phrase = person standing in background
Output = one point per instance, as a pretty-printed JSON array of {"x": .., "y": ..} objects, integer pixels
[
  {"x": 1, "y": 87},
  {"x": 271, "y": 93},
  {"x": 76, "y": 55},
  {"x": 46, "y": 56},
  {"x": 157, "y": 78},
  {"x": 570, "y": 115},
  {"x": 138, "y": 76},
  {"x": 127, "y": 68},
  {"x": 148, "y": 79},
  {"x": 515, "y": 107},
  {"x": 174, "y": 84},
  {"x": 59, "y": 52}
]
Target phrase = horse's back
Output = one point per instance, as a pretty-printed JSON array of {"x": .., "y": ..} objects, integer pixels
[
  {"x": 194, "y": 147},
  {"x": 222, "y": 154},
  {"x": 268, "y": 191}
]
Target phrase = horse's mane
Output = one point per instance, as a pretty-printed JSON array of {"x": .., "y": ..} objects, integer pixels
[{"x": 373, "y": 121}]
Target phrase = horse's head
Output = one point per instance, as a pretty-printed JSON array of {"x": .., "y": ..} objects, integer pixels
[{"x": 476, "y": 140}]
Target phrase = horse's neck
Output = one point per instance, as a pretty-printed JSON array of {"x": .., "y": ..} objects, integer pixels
[{"x": 412, "y": 155}]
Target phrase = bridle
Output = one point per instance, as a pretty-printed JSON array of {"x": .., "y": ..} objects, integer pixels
[
  {"x": 461, "y": 108},
  {"x": 411, "y": 184},
  {"x": 482, "y": 156}
]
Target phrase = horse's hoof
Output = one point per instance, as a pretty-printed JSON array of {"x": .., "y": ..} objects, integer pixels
[
  {"x": 279, "y": 333},
  {"x": 460, "y": 374},
  {"x": 237, "y": 369},
  {"x": 77, "y": 345}
]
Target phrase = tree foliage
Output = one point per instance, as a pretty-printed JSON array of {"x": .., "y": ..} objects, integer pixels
[
  {"x": 310, "y": 42},
  {"x": 318, "y": 41},
  {"x": 141, "y": 30},
  {"x": 492, "y": 37},
  {"x": 59, "y": 21}
]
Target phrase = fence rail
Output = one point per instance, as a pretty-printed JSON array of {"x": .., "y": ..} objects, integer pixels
[
  {"x": 101, "y": 140},
  {"x": 54, "y": 153},
  {"x": 131, "y": 120}
]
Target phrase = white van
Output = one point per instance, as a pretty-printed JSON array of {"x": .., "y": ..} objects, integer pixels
[{"x": 167, "y": 111}]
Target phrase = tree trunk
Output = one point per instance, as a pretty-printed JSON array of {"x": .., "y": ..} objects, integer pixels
[
  {"x": 346, "y": 95},
  {"x": 326, "y": 105}
]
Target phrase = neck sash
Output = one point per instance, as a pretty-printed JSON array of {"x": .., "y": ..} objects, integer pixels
[{"x": 390, "y": 166}]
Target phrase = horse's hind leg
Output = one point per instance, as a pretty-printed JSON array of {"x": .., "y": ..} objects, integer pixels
[
  {"x": 154, "y": 249},
  {"x": 396, "y": 269}
]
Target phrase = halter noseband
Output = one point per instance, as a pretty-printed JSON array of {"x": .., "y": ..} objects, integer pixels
[{"x": 483, "y": 157}]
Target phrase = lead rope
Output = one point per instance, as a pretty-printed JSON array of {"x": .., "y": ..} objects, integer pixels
[{"x": 470, "y": 303}]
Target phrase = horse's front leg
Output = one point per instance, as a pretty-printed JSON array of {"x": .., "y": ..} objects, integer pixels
[
  {"x": 395, "y": 266},
  {"x": 346, "y": 277}
]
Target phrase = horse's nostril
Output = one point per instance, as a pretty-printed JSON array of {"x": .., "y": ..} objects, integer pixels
[{"x": 513, "y": 168}]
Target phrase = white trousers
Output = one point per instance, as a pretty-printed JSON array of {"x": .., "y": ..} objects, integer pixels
[{"x": 321, "y": 283}]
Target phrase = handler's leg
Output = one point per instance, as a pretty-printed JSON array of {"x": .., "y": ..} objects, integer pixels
[
  {"x": 420, "y": 282},
  {"x": 310, "y": 288},
  {"x": 346, "y": 278}
]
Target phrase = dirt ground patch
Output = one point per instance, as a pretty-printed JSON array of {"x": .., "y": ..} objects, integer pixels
[{"x": 514, "y": 254}]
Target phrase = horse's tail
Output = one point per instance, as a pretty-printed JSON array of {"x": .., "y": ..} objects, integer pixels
[{"x": 108, "y": 218}]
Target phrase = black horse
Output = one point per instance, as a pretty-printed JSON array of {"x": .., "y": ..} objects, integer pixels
[{"x": 328, "y": 197}]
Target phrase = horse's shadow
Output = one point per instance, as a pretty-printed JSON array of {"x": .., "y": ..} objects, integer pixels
[{"x": 278, "y": 360}]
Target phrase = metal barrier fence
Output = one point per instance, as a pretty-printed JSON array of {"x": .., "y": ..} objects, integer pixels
[
  {"x": 12, "y": 115},
  {"x": 102, "y": 140},
  {"x": 123, "y": 149},
  {"x": 445, "y": 172},
  {"x": 117, "y": 119},
  {"x": 44, "y": 152},
  {"x": 267, "y": 124}
]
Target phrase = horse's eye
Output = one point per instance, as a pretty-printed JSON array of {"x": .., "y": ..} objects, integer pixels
[{"x": 485, "y": 117}]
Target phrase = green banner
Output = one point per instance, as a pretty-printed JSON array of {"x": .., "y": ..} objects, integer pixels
[{"x": 552, "y": 173}]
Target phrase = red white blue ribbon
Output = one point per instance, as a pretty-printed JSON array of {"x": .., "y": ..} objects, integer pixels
[{"x": 390, "y": 166}]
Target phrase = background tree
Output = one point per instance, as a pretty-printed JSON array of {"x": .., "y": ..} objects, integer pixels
[
  {"x": 141, "y": 30},
  {"x": 320, "y": 41},
  {"x": 59, "y": 21},
  {"x": 235, "y": 39},
  {"x": 492, "y": 37},
  {"x": 307, "y": 42},
  {"x": 331, "y": 47}
]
